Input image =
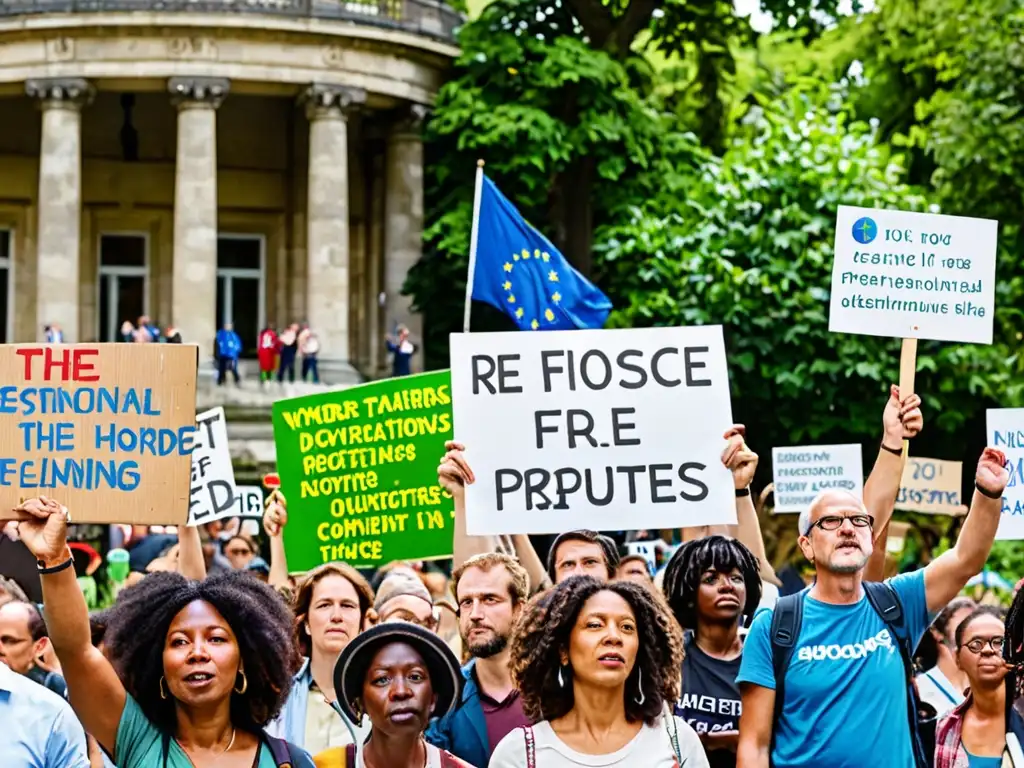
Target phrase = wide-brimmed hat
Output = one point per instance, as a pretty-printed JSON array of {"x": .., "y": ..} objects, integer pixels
[{"x": 354, "y": 662}]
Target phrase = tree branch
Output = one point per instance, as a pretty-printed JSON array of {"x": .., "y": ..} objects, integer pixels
[
  {"x": 631, "y": 23},
  {"x": 595, "y": 18}
]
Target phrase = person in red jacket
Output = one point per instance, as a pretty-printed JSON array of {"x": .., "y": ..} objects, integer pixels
[{"x": 267, "y": 353}]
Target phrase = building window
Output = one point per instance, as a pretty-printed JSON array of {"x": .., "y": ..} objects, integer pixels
[
  {"x": 123, "y": 282},
  {"x": 240, "y": 287},
  {"x": 6, "y": 283}
]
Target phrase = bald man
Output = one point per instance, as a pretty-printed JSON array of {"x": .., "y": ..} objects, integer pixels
[{"x": 844, "y": 691}]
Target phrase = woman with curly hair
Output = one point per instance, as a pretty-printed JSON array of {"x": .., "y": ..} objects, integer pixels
[
  {"x": 596, "y": 664},
  {"x": 710, "y": 585},
  {"x": 202, "y": 667}
]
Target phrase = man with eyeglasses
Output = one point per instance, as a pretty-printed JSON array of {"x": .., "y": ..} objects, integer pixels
[{"x": 843, "y": 699}]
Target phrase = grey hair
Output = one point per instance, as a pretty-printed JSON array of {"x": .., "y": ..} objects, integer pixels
[{"x": 803, "y": 525}]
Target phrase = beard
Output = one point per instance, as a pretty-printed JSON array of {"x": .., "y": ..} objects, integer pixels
[
  {"x": 849, "y": 567},
  {"x": 486, "y": 649}
]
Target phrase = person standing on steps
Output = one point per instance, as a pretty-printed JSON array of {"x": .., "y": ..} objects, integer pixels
[
  {"x": 287, "y": 347},
  {"x": 229, "y": 347}
]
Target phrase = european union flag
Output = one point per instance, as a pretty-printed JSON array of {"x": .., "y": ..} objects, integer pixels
[{"x": 521, "y": 273}]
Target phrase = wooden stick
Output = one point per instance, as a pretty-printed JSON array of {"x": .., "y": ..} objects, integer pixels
[{"x": 908, "y": 370}]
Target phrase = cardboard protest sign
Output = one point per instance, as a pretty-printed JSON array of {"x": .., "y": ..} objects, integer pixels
[
  {"x": 359, "y": 471},
  {"x": 801, "y": 473},
  {"x": 248, "y": 501},
  {"x": 106, "y": 429},
  {"x": 1006, "y": 432},
  {"x": 213, "y": 477},
  {"x": 913, "y": 275},
  {"x": 593, "y": 429},
  {"x": 932, "y": 486}
]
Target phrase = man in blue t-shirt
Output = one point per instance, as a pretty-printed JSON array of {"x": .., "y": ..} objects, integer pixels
[{"x": 845, "y": 688}]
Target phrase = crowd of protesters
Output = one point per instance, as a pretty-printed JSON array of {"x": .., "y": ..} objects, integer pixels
[{"x": 214, "y": 657}]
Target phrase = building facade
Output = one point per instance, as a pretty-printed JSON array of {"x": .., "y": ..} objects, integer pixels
[{"x": 251, "y": 161}]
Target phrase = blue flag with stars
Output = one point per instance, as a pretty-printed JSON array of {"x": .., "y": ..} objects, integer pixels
[{"x": 521, "y": 273}]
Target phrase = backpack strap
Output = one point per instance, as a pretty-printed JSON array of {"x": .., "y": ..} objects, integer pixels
[
  {"x": 286, "y": 754},
  {"x": 786, "y": 620},
  {"x": 350, "y": 756}
]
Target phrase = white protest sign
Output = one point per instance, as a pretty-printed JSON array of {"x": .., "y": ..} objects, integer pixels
[
  {"x": 1006, "y": 432},
  {"x": 913, "y": 275},
  {"x": 932, "y": 486},
  {"x": 644, "y": 549},
  {"x": 213, "y": 478},
  {"x": 248, "y": 501},
  {"x": 608, "y": 430},
  {"x": 801, "y": 473}
]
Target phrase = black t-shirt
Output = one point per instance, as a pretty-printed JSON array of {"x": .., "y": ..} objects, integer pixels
[{"x": 711, "y": 698}]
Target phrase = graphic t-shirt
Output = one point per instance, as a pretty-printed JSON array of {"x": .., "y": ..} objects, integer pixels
[
  {"x": 140, "y": 745},
  {"x": 845, "y": 692},
  {"x": 650, "y": 748},
  {"x": 711, "y": 698}
]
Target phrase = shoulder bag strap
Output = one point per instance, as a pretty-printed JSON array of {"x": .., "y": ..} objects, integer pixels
[
  {"x": 786, "y": 620},
  {"x": 531, "y": 747},
  {"x": 672, "y": 726}
]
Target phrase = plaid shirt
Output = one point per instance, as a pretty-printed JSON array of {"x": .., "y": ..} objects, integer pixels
[{"x": 949, "y": 748}]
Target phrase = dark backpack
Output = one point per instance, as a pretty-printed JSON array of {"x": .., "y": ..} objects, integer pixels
[
  {"x": 285, "y": 754},
  {"x": 786, "y": 621}
]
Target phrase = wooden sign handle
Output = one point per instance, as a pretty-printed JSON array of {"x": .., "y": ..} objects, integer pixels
[{"x": 908, "y": 369}]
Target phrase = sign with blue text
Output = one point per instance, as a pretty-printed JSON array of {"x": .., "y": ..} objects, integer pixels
[
  {"x": 1006, "y": 432},
  {"x": 105, "y": 429},
  {"x": 599, "y": 429},
  {"x": 801, "y": 473},
  {"x": 931, "y": 486},
  {"x": 913, "y": 275}
]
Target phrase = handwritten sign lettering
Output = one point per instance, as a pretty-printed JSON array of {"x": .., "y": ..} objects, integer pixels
[
  {"x": 801, "y": 473},
  {"x": 107, "y": 429},
  {"x": 359, "y": 470},
  {"x": 1006, "y": 432},
  {"x": 248, "y": 501},
  {"x": 213, "y": 477},
  {"x": 593, "y": 429},
  {"x": 932, "y": 486}
]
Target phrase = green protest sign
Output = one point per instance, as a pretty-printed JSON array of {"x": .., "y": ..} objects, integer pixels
[{"x": 358, "y": 468}]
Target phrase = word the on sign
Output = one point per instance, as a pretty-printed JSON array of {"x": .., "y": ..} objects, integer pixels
[
  {"x": 913, "y": 275},
  {"x": 1006, "y": 432},
  {"x": 801, "y": 473},
  {"x": 362, "y": 467},
  {"x": 569, "y": 429},
  {"x": 105, "y": 428}
]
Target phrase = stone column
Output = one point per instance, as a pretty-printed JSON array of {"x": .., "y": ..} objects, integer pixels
[
  {"x": 327, "y": 224},
  {"x": 194, "y": 272},
  {"x": 403, "y": 222},
  {"x": 59, "y": 235}
]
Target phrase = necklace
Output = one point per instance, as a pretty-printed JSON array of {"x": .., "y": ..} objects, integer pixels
[{"x": 227, "y": 749}]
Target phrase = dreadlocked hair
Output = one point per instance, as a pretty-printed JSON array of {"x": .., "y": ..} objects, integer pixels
[
  {"x": 542, "y": 635},
  {"x": 711, "y": 553},
  {"x": 260, "y": 620}
]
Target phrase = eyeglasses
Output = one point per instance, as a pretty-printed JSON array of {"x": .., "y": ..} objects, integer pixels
[
  {"x": 977, "y": 645},
  {"x": 835, "y": 522}
]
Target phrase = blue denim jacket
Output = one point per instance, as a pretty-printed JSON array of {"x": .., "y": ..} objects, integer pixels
[
  {"x": 290, "y": 725},
  {"x": 463, "y": 731}
]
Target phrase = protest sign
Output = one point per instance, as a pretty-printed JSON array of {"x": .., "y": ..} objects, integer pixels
[
  {"x": 105, "y": 429},
  {"x": 1006, "y": 432},
  {"x": 248, "y": 501},
  {"x": 801, "y": 473},
  {"x": 593, "y": 429},
  {"x": 359, "y": 471},
  {"x": 913, "y": 275},
  {"x": 646, "y": 550},
  {"x": 932, "y": 486},
  {"x": 213, "y": 477}
]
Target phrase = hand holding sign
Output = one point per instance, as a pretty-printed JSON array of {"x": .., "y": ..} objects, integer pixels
[
  {"x": 738, "y": 458},
  {"x": 454, "y": 473},
  {"x": 276, "y": 516},
  {"x": 44, "y": 530},
  {"x": 901, "y": 419},
  {"x": 992, "y": 475}
]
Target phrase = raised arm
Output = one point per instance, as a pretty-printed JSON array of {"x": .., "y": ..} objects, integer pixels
[
  {"x": 94, "y": 689},
  {"x": 275, "y": 518},
  {"x": 454, "y": 475},
  {"x": 901, "y": 420},
  {"x": 947, "y": 574},
  {"x": 191, "y": 563},
  {"x": 742, "y": 462}
]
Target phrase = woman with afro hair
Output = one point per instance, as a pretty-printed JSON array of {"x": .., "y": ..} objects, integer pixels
[
  {"x": 597, "y": 666},
  {"x": 201, "y": 667},
  {"x": 710, "y": 585}
]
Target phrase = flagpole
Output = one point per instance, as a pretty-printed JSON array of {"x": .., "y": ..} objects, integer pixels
[{"x": 472, "y": 243}]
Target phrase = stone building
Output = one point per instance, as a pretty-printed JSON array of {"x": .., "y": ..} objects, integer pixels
[{"x": 200, "y": 161}]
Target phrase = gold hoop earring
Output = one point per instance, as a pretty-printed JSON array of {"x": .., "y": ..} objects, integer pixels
[
  {"x": 245, "y": 683},
  {"x": 163, "y": 693}
]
